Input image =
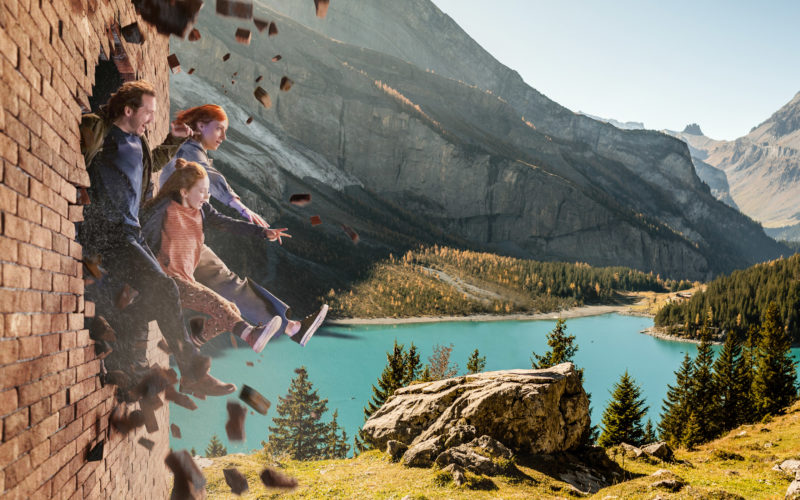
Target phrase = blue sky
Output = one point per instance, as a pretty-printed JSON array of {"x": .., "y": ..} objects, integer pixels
[{"x": 724, "y": 65}]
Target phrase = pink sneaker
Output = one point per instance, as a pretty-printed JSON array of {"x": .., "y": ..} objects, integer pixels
[{"x": 258, "y": 336}]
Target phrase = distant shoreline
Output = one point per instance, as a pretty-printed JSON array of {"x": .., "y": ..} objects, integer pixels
[{"x": 573, "y": 312}]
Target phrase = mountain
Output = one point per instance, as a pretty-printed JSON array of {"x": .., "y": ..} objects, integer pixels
[
  {"x": 616, "y": 123},
  {"x": 762, "y": 168},
  {"x": 402, "y": 127}
]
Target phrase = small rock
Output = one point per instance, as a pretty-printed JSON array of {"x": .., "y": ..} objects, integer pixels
[
  {"x": 631, "y": 450},
  {"x": 660, "y": 450},
  {"x": 422, "y": 454},
  {"x": 459, "y": 434},
  {"x": 491, "y": 447},
  {"x": 790, "y": 467},
  {"x": 396, "y": 449},
  {"x": 668, "y": 484},
  {"x": 458, "y": 474},
  {"x": 466, "y": 457}
]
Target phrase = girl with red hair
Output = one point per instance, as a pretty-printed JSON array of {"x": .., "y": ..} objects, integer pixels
[
  {"x": 256, "y": 304},
  {"x": 174, "y": 223}
]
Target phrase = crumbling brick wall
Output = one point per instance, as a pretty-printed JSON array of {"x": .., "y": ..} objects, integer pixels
[{"x": 53, "y": 408}]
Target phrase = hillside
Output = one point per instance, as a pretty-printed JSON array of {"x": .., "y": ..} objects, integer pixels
[
  {"x": 740, "y": 464},
  {"x": 406, "y": 155}
]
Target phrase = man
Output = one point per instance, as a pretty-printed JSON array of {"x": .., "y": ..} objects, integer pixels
[{"x": 120, "y": 169}]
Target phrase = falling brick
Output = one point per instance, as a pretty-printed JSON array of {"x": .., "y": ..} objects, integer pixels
[
  {"x": 253, "y": 398},
  {"x": 234, "y": 427},
  {"x": 286, "y": 83},
  {"x": 249, "y": 363},
  {"x": 263, "y": 97},
  {"x": 83, "y": 197},
  {"x": 249, "y": 120},
  {"x": 101, "y": 330},
  {"x": 191, "y": 70},
  {"x": 194, "y": 35},
  {"x": 176, "y": 431},
  {"x": 273, "y": 29},
  {"x": 92, "y": 264},
  {"x": 274, "y": 479},
  {"x": 180, "y": 399},
  {"x": 236, "y": 481},
  {"x": 352, "y": 234},
  {"x": 316, "y": 220},
  {"x": 277, "y": 58},
  {"x": 261, "y": 25},
  {"x": 146, "y": 443},
  {"x": 234, "y": 8},
  {"x": 322, "y": 8},
  {"x": 243, "y": 36},
  {"x": 168, "y": 16},
  {"x": 235, "y": 73},
  {"x": 300, "y": 199},
  {"x": 189, "y": 481},
  {"x": 126, "y": 296},
  {"x": 96, "y": 453},
  {"x": 226, "y": 56},
  {"x": 259, "y": 78},
  {"x": 132, "y": 34},
  {"x": 174, "y": 64}
]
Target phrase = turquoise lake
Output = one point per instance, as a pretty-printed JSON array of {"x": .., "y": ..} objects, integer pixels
[{"x": 343, "y": 363}]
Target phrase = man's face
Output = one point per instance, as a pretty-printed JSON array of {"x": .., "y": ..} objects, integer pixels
[{"x": 143, "y": 116}]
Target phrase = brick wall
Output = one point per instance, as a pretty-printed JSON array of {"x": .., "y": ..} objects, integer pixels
[{"x": 52, "y": 405}]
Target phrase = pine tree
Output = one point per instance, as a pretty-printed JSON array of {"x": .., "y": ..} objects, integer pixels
[
  {"x": 746, "y": 408},
  {"x": 622, "y": 418},
  {"x": 298, "y": 431},
  {"x": 335, "y": 445},
  {"x": 705, "y": 397},
  {"x": 412, "y": 365},
  {"x": 649, "y": 433},
  {"x": 728, "y": 381},
  {"x": 476, "y": 362},
  {"x": 693, "y": 434},
  {"x": 391, "y": 379},
  {"x": 193, "y": 452},
  {"x": 215, "y": 448},
  {"x": 775, "y": 376},
  {"x": 562, "y": 348},
  {"x": 677, "y": 405},
  {"x": 439, "y": 366}
]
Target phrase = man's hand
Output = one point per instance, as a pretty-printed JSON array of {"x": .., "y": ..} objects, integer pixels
[
  {"x": 277, "y": 234},
  {"x": 180, "y": 129}
]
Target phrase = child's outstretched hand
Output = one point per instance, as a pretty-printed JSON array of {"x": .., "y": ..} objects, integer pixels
[
  {"x": 277, "y": 234},
  {"x": 254, "y": 218}
]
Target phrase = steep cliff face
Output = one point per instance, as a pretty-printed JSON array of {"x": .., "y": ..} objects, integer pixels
[
  {"x": 763, "y": 167},
  {"x": 486, "y": 160}
]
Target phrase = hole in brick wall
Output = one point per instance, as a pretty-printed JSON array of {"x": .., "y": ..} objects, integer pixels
[
  {"x": 51, "y": 35},
  {"x": 107, "y": 79},
  {"x": 60, "y": 29}
]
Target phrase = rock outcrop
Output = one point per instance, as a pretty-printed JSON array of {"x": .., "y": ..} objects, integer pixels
[{"x": 530, "y": 411}]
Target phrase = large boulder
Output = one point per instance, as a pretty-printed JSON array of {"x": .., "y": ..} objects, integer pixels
[
  {"x": 423, "y": 453},
  {"x": 660, "y": 450},
  {"x": 529, "y": 411}
]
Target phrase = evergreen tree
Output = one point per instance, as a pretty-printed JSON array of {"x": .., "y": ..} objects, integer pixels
[
  {"x": 775, "y": 376},
  {"x": 649, "y": 433},
  {"x": 705, "y": 398},
  {"x": 392, "y": 378},
  {"x": 693, "y": 434},
  {"x": 335, "y": 445},
  {"x": 677, "y": 404},
  {"x": 728, "y": 381},
  {"x": 476, "y": 363},
  {"x": 298, "y": 430},
  {"x": 562, "y": 348},
  {"x": 215, "y": 448},
  {"x": 622, "y": 418},
  {"x": 412, "y": 365},
  {"x": 439, "y": 366},
  {"x": 746, "y": 408},
  {"x": 193, "y": 452}
]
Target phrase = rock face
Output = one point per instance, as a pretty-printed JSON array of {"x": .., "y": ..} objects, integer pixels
[
  {"x": 533, "y": 411},
  {"x": 467, "y": 146}
]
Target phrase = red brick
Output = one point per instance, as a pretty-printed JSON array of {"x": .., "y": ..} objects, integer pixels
[
  {"x": 51, "y": 261},
  {"x": 88, "y": 311},
  {"x": 58, "y": 323},
  {"x": 50, "y": 219},
  {"x": 27, "y": 116},
  {"x": 16, "y": 276},
  {"x": 40, "y": 323},
  {"x": 50, "y": 343},
  {"x": 30, "y": 256},
  {"x": 16, "y": 179},
  {"x": 68, "y": 340},
  {"x": 66, "y": 415},
  {"x": 41, "y": 237},
  {"x": 60, "y": 284},
  {"x": 30, "y": 347},
  {"x": 76, "y": 283},
  {"x": 29, "y": 210},
  {"x": 86, "y": 370},
  {"x": 75, "y": 321},
  {"x": 9, "y": 352},
  {"x": 8, "y": 48},
  {"x": 40, "y": 453},
  {"x": 8, "y": 199},
  {"x": 40, "y": 410},
  {"x": 81, "y": 389},
  {"x": 76, "y": 213},
  {"x": 18, "y": 132},
  {"x": 16, "y": 228},
  {"x": 15, "y": 423},
  {"x": 18, "y": 324},
  {"x": 8, "y": 148},
  {"x": 41, "y": 280},
  {"x": 17, "y": 471}
]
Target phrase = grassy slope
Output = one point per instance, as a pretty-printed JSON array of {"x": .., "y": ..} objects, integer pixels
[{"x": 372, "y": 475}]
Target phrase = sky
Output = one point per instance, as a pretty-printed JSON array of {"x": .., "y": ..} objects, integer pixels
[{"x": 726, "y": 65}]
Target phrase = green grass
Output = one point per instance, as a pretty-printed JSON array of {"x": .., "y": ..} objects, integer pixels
[{"x": 737, "y": 464}]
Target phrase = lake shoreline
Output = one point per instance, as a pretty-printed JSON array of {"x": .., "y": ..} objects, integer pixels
[{"x": 574, "y": 312}]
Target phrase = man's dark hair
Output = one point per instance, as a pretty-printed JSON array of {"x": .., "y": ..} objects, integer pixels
[{"x": 129, "y": 94}]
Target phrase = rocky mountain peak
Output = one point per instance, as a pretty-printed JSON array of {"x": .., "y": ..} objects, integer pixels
[{"x": 693, "y": 129}]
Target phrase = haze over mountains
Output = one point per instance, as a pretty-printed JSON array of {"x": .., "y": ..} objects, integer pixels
[{"x": 401, "y": 126}]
